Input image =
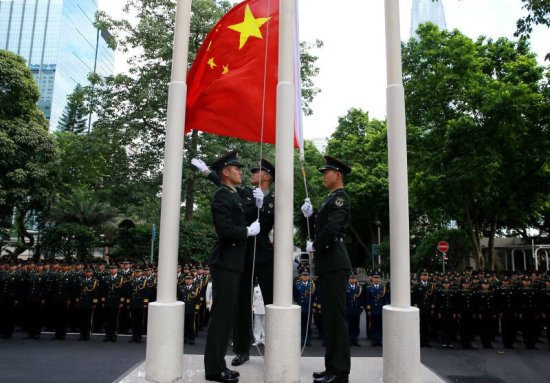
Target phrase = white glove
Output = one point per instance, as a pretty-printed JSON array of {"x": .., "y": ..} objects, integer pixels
[
  {"x": 309, "y": 247},
  {"x": 259, "y": 195},
  {"x": 254, "y": 228},
  {"x": 199, "y": 164},
  {"x": 307, "y": 208}
]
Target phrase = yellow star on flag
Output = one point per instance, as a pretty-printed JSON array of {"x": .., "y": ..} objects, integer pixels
[
  {"x": 249, "y": 27},
  {"x": 225, "y": 69},
  {"x": 211, "y": 63}
]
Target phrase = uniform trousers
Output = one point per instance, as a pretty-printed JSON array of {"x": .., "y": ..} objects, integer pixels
[
  {"x": 243, "y": 323},
  {"x": 225, "y": 295},
  {"x": 335, "y": 323},
  {"x": 111, "y": 321}
]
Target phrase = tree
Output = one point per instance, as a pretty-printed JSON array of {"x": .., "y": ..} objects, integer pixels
[
  {"x": 131, "y": 109},
  {"x": 481, "y": 114},
  {"x": 362, "y": 143},
  {"x": 73, "y": 119},
  {"x": 27, "y": 165}
]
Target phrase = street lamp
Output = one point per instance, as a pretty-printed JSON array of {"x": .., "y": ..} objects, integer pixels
[{"x": 378, "y": 224}]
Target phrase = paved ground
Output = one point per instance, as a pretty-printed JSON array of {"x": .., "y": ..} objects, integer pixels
[{"x": 47, "y": 361}]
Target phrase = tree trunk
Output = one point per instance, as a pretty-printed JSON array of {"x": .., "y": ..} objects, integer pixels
[
  {"x": 23, "y": 233},
  {"x": 491, "y": 244},
  {"x": 190, "y": 189},
  {"x": 473, "y": 233}
]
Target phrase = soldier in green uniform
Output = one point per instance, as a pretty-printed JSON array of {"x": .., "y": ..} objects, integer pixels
[
  {"x": 10, "y": 284},
  {"x": 112, "y": 300},
  {"x": 61, "y": 285},
  {"x": 259, "y": 252},
  {"x": 36, "y": 293},
  {"x": 137, "y": 289},
  {"x": 189, "y": 294},
  {"x": 87, "y": 301},
  {"x": 333, "y": 267},
  {"x": 227, "y": 262}
]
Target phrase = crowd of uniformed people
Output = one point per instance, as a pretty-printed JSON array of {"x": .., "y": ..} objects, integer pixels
[{"x": 61, "y": 297}]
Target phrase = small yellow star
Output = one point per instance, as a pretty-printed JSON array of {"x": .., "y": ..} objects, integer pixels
[
  {"x": 211, "y": 63},
  {"x": 225, "y": 69},
  {"x": 249, "y": 27}
]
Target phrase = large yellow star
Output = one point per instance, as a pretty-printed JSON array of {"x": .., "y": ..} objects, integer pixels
[{"x": 249, "y": 27}]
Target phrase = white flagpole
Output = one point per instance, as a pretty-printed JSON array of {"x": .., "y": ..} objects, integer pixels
[
  {"x": 282, "y": 354},
  {"x": 401, "y": 321},
  {"x": 164, "y": 352}
]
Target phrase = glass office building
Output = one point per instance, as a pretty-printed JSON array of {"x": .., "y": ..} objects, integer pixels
[
  {"x": 427, "y": 10},
  {"x": 60, "y": 43}
]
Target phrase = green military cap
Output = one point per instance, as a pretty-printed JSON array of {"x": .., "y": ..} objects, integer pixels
[
  {"x": 332, "y": 163},
  {"x": 266, "y": 166},
  {"x": 228, "y": 159},
  {"x": 188, "y": 276}
]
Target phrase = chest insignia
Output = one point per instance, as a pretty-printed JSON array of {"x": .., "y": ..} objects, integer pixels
[{"x": 339, "y": 202}]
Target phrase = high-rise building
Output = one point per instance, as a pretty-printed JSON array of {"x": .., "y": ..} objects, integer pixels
[
  {"x": 60, "y": 43},
  {"x": 427, "y": 10}
]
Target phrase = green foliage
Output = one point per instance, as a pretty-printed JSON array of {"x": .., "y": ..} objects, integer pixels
[
  {"x": 427, "y": 256},
  {"x": 538, "y": 13},
  {"x": 68, "y": 240},
  {"x": 27, "y": 164},
  {"x": 133, "y": 242},
  {"x": 479, "y": 111},
  {"x": 196, "y": 241},
  {"x": 362, "y": 143},
  {"x": 73, "y": 119}
]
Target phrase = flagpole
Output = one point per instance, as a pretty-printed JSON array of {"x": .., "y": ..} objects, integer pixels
[
  {"x": 164, "y": 352},
  {"x": 282, "y": 354},
  {"x": 401, "y": 362}
]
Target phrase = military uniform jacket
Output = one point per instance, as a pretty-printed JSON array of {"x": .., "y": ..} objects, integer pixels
[
  {"x": 112, "y": 293},
  {"x": 505, "y": 299},
  {"x": 376, "y": 298},
  {"x": 465, "y": 302},
  {"x": 331, "y": 225},
  {"x": 445, "y": 301},
  {"x": 88, "y": 292},
  {"x": 422, "y": 295},
  {"x": 264, "y": 247},
  {"x": 302, "y": 292},
  {"x": 36, "y": 287},
  {"x": 9, "y": 286},
  {"x": 61, "y": 285},
  {"x": 189, "y": 294},
  {"x": 354, "y": 299},
  {"x": 230, "y": 225},
  {"x": 485, "y": 303},
  {"x": 137, "y": 293}
]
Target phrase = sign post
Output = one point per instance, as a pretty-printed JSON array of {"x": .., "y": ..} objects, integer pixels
[{"x": 443, "y": 247}]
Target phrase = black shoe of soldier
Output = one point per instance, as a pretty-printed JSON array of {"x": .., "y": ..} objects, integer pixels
[
  {"x": 240, "y": 359},
  {"x": 333, "y": 378},
  {"x": 222, "y": 377},
  {"x": 319, "y": 374}
]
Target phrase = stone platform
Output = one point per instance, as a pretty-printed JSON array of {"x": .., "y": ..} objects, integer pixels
[{"x": 363, "y": 370}]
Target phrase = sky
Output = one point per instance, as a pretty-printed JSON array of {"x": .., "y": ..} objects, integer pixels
[{"x": 352, "y": 61}]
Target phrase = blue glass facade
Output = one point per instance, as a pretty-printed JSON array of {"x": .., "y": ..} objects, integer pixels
[
  {"x": 60, "y": 43},
  {"x": 427, "y": 10}
]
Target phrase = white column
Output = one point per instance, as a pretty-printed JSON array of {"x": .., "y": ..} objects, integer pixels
[
  {"x": 282, "y": 352},
  {"x": 401, "y": 324},
  {"x": 164, "y": 352}
]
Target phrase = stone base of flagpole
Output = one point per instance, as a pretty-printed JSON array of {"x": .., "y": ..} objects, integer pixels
[
  {"x": 282, "y": 344},
  {"x": 164, "y": 351},
  {"x": 401, "y": 362}
]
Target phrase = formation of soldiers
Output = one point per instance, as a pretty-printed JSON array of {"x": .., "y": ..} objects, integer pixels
[
  {"x": 464, "y": 305},
  {"x": 62, "y": 297}
]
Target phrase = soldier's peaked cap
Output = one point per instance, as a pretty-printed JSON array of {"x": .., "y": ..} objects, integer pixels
[
  {"x": 332, "y": 163},
  {"x": 227, "y": 159},
  {"x": 266, "y": 167}
]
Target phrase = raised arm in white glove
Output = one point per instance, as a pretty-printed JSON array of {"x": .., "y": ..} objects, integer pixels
[
  {"x": 199, "y": 164},
  {"x": 259, "y": 195},
  {"x": 307, "y": 208},
  {"x": 309, "y": 247},
  {"x": 254, "y": 228}
]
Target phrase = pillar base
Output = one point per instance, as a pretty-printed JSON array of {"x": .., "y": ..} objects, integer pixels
[
  {"x": 164, "y": 352},
  {"x": 282, "y": 344},
  {"x": 401, "y": 345}
]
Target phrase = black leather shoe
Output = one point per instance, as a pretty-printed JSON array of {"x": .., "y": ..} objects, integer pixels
[
  {"x": 319, "y": 374},
  {"x": 239, "y": 359},
  {"x": 232, "y": 373},
  {"x": 222, "y": 377},
  {"x": 333, "y": 378}
]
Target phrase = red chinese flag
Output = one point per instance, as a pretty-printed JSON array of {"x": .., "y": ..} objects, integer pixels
[{"x": 232, "y": 82}]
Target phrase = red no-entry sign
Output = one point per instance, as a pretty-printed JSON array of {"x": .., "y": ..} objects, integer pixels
[{"x": 443, "y": 246}]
